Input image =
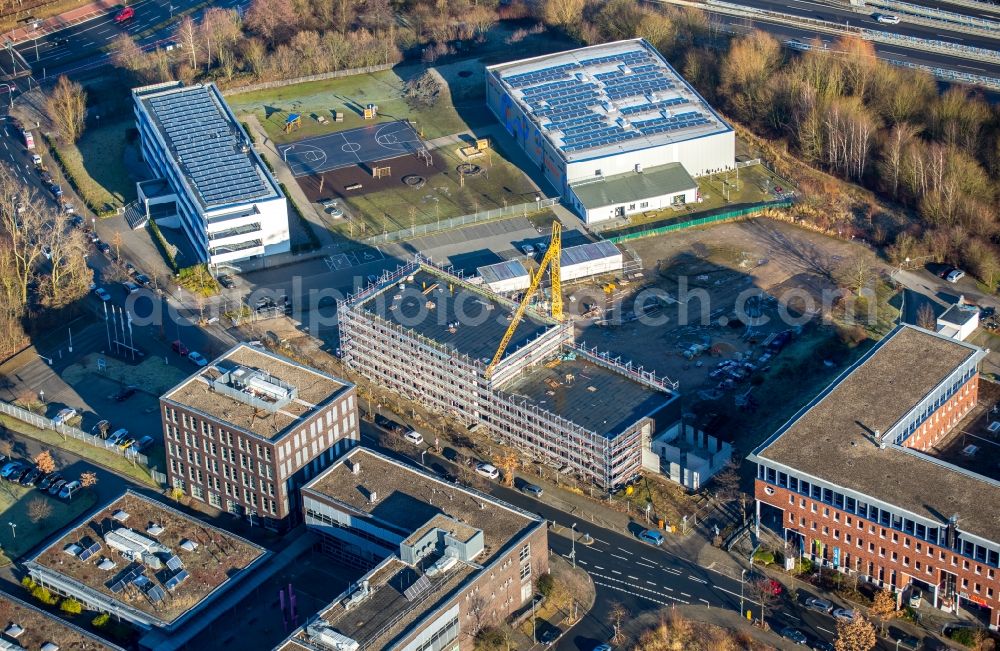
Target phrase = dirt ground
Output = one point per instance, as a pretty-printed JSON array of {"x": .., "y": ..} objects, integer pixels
[{"x": 717, "y": 296}]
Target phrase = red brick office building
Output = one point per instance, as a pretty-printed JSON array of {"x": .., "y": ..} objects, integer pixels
[
  {"x": 245, "y": 432},
  {"x": 849, "y": 483}
]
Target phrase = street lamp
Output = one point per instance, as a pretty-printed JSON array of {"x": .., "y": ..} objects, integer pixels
[
  {"x": 742, "y": 583},
  {"x": 13, "y": 530},
  {"x": 423, "y": 453},
  {"x": 573, "y": 541},
  {"x": 41, "y": 395}
]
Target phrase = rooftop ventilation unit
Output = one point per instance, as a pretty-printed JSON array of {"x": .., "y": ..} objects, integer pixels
[
  {"x": 132, "y": 544},
  {"x": 254, "y": 387},
  {"x": 443, "y": 564},
  {"x": 320, "y": 633},
  {"x": 357, "y": 597}
]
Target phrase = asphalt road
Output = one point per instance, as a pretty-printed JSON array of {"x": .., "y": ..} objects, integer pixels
[{"x": 84, "y": 45}]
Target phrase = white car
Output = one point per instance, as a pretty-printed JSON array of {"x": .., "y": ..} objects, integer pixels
[
  {"x": 118, "y": 435},
  {"x": 845, "y": 614},
  {"x": 416, "y": 438},
  {"x": 64, "y": 416},
  {"x": 102, "y": 294},
  {"x": 887, "y": 19},
  {"x": 487, "y": 470},
  {"x": 197, "y": 358},
  {"x": 955, "y": 275},
  {"x": 528, "y": 249}
]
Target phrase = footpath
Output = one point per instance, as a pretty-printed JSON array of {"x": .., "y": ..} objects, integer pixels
[{"x": 62, "y": 21}]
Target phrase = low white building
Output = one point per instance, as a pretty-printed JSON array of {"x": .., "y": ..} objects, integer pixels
[
  {"x": 686, "y": 455},
  {"x": 214, "y": 187},
  {"x": 612, "y": 197},
  {"x": 592, "y": 259},
  {"x": 959, "y": 321},
  {"x": 505, "y": 277}
]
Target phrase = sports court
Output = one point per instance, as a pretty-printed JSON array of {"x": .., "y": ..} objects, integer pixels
[{"x": 376, "y": 143}]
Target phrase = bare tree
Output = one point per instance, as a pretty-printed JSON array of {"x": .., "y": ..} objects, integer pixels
[
  {"x": 66, "y": 106},
  {"x": 479, "y": 614},
  {"x": 893, "y": 148},
  {"x": 126, "y": 54},
  {"x": 69, "y": 277},
  {"x": 187, "y": 36},
  {"x": 39, "y": 509},
  {"x": 926, "y": 318},
  {"x": 616, "y": 617},
  {"x": 762, "y": 591},
  {"x": 22, "y": 223},
  {"x": 274, "y": 20},
  {"x": 857, "y": 274}
]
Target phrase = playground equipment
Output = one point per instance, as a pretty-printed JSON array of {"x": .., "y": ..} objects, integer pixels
[
  {"x": 481, "y": 147},
  {"x": 371, "y": 112},
  {"x": 292, "y": 122},
  {"x": 379, "y": 171}
]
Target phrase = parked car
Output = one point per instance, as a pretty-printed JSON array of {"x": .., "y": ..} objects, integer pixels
[
  {"x": 197, "y": 358},
  {"x": 116, "y": 436},
  {"x": 487, "y": 470},
  {"x": 915, "y": 598},
  {"x": 528, "y": 249},
  {"x": 821, "y": 645},
  {"x": 130, "y": 287},
  {"x": 130, "y": 269},
  {"x": 10, "y": 467},
  {"x": 20, "y": 473},
  {"x": 179, "y": 348},
  {"x": 125, "y": 393},
  {"x": 955, "y": 275},
  {"x": 104, "y": 248},
  {"x": 651, "y": 536},
  {"x": 101, "y": 428},
  {"x": 36, "y": 160},
  {"x": 227, "y": 281},
  {"x": 845, "y": 614},
  {"x": 793, "y": 634},
  {"x": 416, "y": 438},
  {"x": 143, "y": 443},
  {"x": 56, "y": 486},
  {"x": 819, "y": 605},
  {"x": 126, "y": 442},
  {"x": 64, "y": 416},
  {"x": 143, "y": 280},
  {"x": 903, "y": 640},
  {"x": 532, "y": 489},
  {"x": 69, "y": 490},
  {"x": 102, "y": 294},
  {"x": 31, "y": 477},
  {"x": 603, "y": 647},
  {"x": 48, "y": 480}
]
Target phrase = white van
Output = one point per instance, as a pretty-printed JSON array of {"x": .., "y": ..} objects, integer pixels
[{"x": 414, "y": 437}]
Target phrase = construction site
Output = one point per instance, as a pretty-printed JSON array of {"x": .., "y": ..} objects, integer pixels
[{"x": 511, "y": 367}]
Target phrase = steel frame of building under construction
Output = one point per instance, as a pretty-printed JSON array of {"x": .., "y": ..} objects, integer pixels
[{"x": 447, "y": 381}]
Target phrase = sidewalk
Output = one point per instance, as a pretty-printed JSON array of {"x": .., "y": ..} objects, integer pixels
[{"x": 62, "y": 21}]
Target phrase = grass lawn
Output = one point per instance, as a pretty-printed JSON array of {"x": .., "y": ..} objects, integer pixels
[
  {"x": 349, "y": 95},
  {"x": 96, "y": 166},
  {"x": 103, "y": 152},
  {"x": 400, "y": 206},
  {"x": 106, "y": 458},
  {"x": 14, "y": 500}
]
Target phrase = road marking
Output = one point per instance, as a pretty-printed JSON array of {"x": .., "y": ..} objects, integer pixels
[
  {"x": 825, "y": 630},
  {"x": 790, "y": 616},
  {"x": 582, "y": 562},
  {"x": 651, "y": 583},
  {"x": 949, "y": 36},
  {"x": 961, "y": 65},
  {"x": 616, "y": 572},
  {"x": 634, "y": 578},
  {"x": 672, "y": 570},
  {"x": 668, "y": 589},
  {"x": 621, "y": 557},
  {"x": 694, "y": 578},
  {"x": 598, "y": 567},
  {"x": 636, "y": 590},
  {"x": 600, "y": 541},
  {"x": 686, "y": 595},
  {"x": 645, "y": 564},
  {"x": 625, "y": 550}
]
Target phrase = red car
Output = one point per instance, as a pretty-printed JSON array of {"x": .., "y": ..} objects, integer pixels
[
  {"x": 180, "y": 348},
  {"x": 128, "y": 13}
]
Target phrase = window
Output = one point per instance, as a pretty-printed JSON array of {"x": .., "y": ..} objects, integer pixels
[
  {"x": 525, "y": 571},
  {"x": 525, "y": 552},
  {"x": 644, "y": 204},
  {"x": 631, "y": 206},
  {"x": 597, "y": 172}
]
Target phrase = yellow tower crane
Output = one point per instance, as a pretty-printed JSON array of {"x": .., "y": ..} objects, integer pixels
[{"x": 549, "y": 261}]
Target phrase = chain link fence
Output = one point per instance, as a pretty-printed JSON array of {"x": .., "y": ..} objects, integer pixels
[
  {"x": 521, "y": 209},
  {"x": 41, "y": 422}
]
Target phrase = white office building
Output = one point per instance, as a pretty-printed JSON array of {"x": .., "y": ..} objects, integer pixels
[
  {"x": 211, "y": 183},
  {"x": 613, "y": 127}
]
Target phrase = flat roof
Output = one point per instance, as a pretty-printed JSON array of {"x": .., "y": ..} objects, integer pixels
[
  {"x": 630, "y": 187},
  {"x": 409, "y": 500},
  {"x": 959, "y": 315},
  {"x": 501, "y": 271},
  {"x": 468, "y": 319},
  {"x": 607, "y": 99},
  {"x": 217, "y": 557},
  {"x": 314, "y": 389},
  {"x": 597, "y": 398},
  {"x": 207, "y": 144},
  {"x": 39, "y": 628},
  {"x": 583, "y": 253},
  {"x": 831, "y": 438}
]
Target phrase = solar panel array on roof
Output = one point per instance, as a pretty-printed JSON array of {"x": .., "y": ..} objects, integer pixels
[
  {"x": 174, "y": 563},
  {"x": 127, "y": 577},
  {"x": 420, "y": 586},
  {"x": 589, "y": 103},
  {"x": 588, "y": 252},
  {"x": 176, "y": 579},
  {"x": 156, "y": 594},
  {"x": 90, "y": 551},
  {"x": 207, "y": 147}
]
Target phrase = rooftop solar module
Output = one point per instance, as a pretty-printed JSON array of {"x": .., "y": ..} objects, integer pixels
[
  {"x": 584, "y": 103},
  {"x": 208, "y": 146}
]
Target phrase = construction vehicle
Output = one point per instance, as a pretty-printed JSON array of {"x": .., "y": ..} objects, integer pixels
[{"x": 549, "y": 261}]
